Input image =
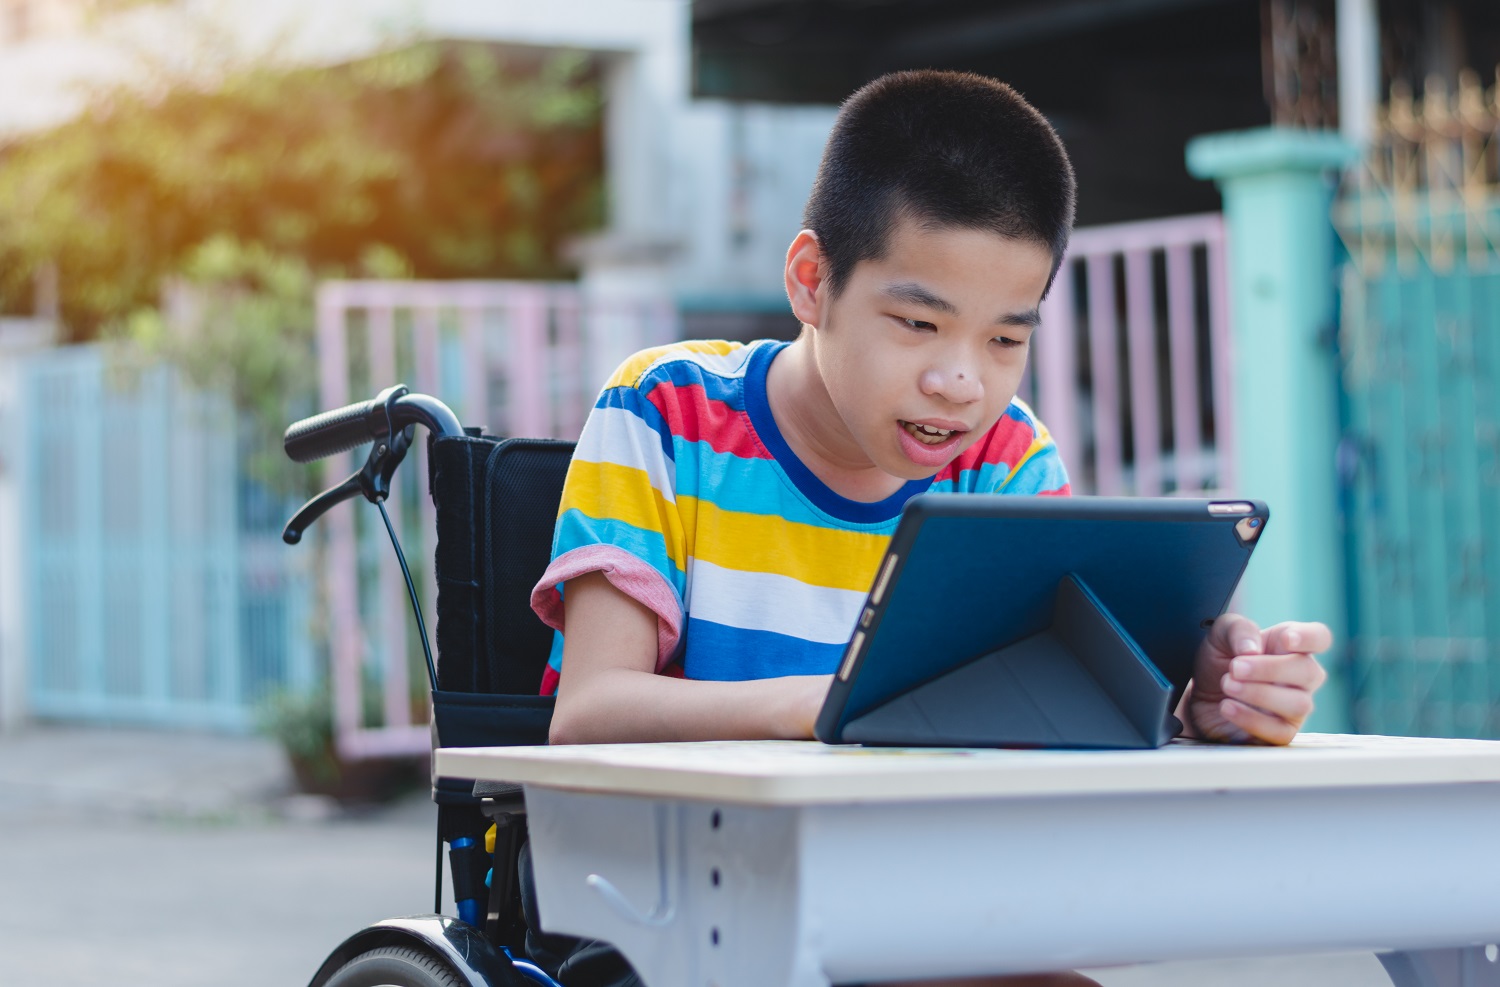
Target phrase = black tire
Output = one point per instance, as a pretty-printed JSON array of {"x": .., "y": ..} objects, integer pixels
[{"x": 395, "y": 966}]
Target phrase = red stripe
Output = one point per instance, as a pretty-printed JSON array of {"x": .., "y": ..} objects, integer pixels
[{"x": 693, "y": 416}]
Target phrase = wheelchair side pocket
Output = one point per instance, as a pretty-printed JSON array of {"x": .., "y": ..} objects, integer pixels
[{"x": 475, "y": 719}]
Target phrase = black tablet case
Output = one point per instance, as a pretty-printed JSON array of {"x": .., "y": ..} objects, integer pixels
[{"x": 1042, "y": 622}]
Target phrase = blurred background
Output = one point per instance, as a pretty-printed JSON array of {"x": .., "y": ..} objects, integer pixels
[{"x": 217, "y": 216}]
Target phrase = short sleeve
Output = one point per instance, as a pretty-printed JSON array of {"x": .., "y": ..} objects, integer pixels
[
  {"x": 1041, "y": 473},
  {"x": 619, "y": 514}
]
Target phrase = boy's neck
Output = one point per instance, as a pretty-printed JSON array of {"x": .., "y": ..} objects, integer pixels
[{"x": 815, "y": 432}]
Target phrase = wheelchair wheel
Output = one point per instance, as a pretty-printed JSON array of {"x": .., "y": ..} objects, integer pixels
[{"x": 395, "y": 966}]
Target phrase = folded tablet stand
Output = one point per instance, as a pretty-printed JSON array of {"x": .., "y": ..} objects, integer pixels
[{"x": 1082, "y": 682}]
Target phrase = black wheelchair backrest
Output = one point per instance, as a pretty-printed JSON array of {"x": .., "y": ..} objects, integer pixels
[{"x": 497, "y": 501}]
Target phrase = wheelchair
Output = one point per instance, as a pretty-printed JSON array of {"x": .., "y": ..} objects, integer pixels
[{"x": 495, "y": 501}]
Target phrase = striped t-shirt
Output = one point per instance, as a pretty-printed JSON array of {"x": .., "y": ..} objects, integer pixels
[{"x": 684, "y": 493}]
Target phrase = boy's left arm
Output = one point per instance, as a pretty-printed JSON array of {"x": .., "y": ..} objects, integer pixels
[{"x": 1251, "y": 685}]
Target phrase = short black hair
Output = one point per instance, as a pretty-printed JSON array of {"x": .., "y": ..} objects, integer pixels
[{"x": 949, "y": 149}]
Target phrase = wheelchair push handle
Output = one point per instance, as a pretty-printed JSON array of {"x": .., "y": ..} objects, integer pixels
[
  {"x": 330, "y": 432},
  {"x": 353, "y": 425}
]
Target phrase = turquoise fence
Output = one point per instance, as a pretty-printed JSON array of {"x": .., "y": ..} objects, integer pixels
[
  {"x": 1419, "y": 346},
  {"x": 1419, "y": 340},
  {"x": 156, "y": 590}
]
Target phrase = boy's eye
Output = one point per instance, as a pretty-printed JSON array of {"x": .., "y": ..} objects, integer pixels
[
  {"x": 918, "y": 324},
  {"x": 1007, "y": 343}
]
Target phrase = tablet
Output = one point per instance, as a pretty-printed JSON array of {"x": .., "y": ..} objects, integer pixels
[{"x": 1038, "y": 621}]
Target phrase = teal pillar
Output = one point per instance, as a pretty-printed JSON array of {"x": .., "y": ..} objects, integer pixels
[{"x": 1278, "y": 191}]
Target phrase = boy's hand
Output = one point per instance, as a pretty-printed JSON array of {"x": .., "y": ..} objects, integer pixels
[{"x": 1255, "y": 686}]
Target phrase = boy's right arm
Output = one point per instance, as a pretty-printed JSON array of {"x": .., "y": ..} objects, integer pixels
[{"x": 610, "y": 692}]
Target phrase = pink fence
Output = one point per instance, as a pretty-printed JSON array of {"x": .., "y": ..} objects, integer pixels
[
  {"x": 1132, "y": 365},
  {"x": 519, "y": 358}
]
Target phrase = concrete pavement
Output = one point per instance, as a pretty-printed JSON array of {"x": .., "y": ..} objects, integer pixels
[
  {"x": 134, "y": 857},
  {"x": 178, "y": 860}
]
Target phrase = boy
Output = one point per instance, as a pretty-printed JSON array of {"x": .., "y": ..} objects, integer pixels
[{"x": 728, "y": 504}]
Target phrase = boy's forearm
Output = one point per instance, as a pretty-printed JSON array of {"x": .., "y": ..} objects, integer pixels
[
  {"x": 623, "y": 705},
  {"x": 610, "y": 692}
]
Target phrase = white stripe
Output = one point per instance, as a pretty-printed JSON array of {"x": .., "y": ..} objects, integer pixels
[
  {"x": 763, "y": 601},
  {"x": 614, "y": 435},
  {"x": 729, "y": 365}
]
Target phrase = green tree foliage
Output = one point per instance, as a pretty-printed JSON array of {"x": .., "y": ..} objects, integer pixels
[{"x": 439, "y": 160}]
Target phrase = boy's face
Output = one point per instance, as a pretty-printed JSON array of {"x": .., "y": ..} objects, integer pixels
[{"x": 924, "y": 348}]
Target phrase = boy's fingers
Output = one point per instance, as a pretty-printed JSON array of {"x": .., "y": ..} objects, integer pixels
[
  {"x": 1233, "y": 634},
  {"x": 1290, "y": 704},
  {"x": 1294, "y": 636},
  {"x": 1298, "y": 671},
  {"x": 1259, "y": 724}
]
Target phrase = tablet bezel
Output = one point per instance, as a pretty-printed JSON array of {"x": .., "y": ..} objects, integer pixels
[{"x": 1187, "y": 554}]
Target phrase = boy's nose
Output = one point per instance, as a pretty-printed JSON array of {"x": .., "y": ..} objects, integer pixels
[{"x": 957, "y": 384}]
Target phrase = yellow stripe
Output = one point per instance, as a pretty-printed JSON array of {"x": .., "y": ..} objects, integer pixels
[
  {"x": 623, "y": 493},
  {"x": 731, "y": 539},
  {"x": 630, "y": 371},
  {"x": 1038, "y": 443},
  {"x": 766, "y": 543}
]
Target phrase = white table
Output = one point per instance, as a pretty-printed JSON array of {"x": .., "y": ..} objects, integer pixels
[{"x": 798, "y": 864}]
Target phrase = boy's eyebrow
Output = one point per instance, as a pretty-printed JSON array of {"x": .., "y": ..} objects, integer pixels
[
  {"x": 1030, "y": 319},
  {"x": 916, "y": 294},
  {"x": 910, "y": 291}
]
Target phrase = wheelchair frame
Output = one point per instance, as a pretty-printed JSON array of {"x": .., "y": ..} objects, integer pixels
[{"x": 489, "y": 493}]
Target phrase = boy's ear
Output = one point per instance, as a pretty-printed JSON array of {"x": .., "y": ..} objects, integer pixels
[{"x": 805, "y": 270}]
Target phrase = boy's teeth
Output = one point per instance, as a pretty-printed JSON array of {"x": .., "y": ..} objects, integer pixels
[{"x": 927, "y": 433}]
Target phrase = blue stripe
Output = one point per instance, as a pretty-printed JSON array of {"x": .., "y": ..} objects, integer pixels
[
  {"x": 633, "y": 401},
  {"x": 750, "y": 486},
  {"x": 1041, "y": 473},
  {"x": 732, "y": 654},
  {"x": 685, "y": 373},
  {"x": 1016, "y": 413},
  {"x": 576, "y": 529},
  {"x": 986, "y": 479}
]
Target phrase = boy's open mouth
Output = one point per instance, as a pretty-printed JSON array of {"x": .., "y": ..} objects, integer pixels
[{"x": 928, "y": 434}]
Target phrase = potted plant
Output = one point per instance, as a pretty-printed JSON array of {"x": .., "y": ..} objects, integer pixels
[{"x": 302, "y": 723}]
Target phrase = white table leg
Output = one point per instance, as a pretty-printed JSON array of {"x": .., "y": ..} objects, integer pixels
[
  {"x": 693, "y": 895},
  {"x": 1468, "y": 967}
]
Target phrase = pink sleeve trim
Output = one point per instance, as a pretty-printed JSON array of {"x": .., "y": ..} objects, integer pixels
[{"x": 626, "y": 573}]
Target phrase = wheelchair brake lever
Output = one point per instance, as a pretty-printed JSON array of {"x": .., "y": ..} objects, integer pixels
[
  {"x": 372, "y": 481},
  {"x": 385, "y": 456},
  {"x": 319, "y": 505}
]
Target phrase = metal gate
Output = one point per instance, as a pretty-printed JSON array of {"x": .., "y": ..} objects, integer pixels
[
  {"x": 1419, "y": 341},
  {"x": 154, "y": 588}
]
